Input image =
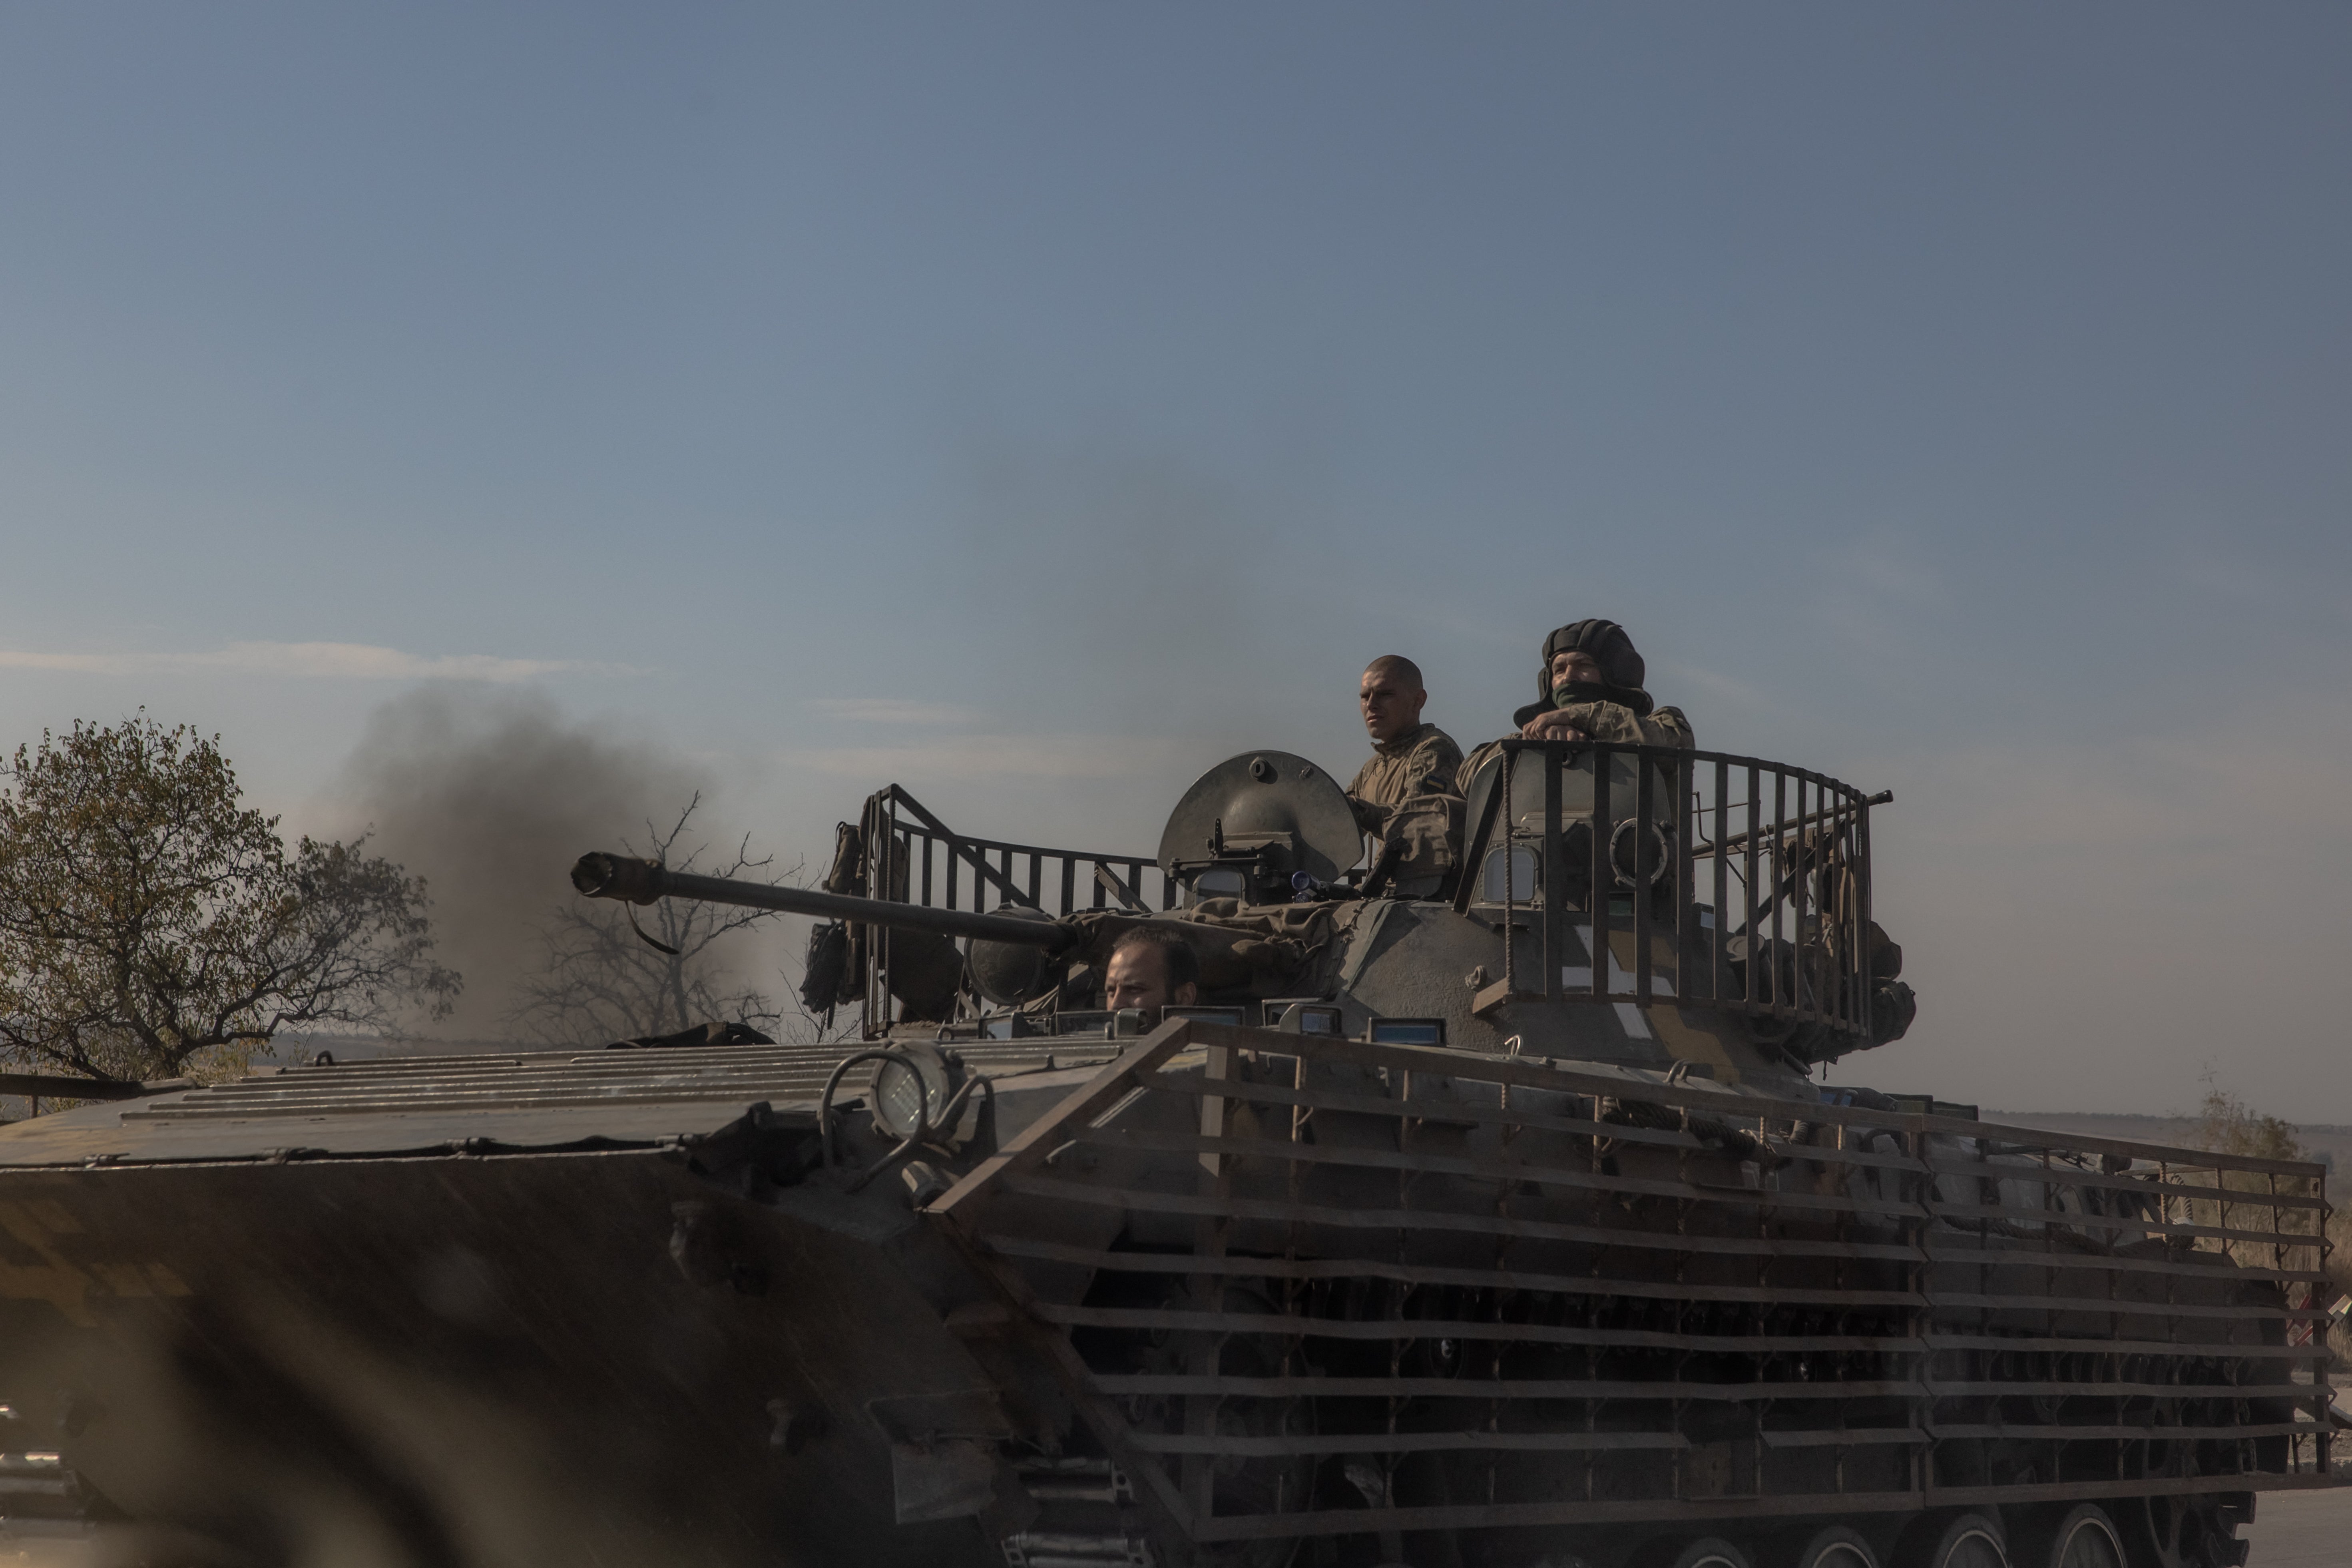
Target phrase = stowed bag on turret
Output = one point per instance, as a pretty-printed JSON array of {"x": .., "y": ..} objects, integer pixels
[
  {"x": 925, "y": 969},
  {"x": 1801, "y": 973},
  {"x": 834, "y": 971},
  {"x": 1260, "y": 948}
]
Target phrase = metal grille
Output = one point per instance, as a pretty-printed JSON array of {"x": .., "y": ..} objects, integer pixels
[
  {"x": 917, "y": 858},
  {"x": 725, "y": 1074},
  {"x": 1361, "y": 1288},
  {"x": 1760, "y": 871},
  {"x": 1724, "y": 882},
  {"x": 946, "y": 869}
]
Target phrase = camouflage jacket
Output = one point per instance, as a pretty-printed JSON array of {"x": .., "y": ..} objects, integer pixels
[
  {"x": 1612, "y": 722},
  {"x": 1406, "y": 791}
]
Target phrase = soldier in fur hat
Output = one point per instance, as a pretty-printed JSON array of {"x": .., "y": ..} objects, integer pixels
[{"x": 1589, "y": 688}]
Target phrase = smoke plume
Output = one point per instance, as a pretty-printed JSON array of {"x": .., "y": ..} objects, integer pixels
[{"x": 491, "y": 796}]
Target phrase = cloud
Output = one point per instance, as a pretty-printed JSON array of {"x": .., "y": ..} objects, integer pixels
[
  {"x": 893, "y": 710},
  {"x": 962, "y": 757},
  {"x": 319, "y": 660}
]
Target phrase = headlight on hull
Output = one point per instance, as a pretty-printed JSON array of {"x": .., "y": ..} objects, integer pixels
[{"x": 910, "y": 1093}]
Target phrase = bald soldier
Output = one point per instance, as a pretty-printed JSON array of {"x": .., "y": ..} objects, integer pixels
[{"x": 1404, "y": 794}]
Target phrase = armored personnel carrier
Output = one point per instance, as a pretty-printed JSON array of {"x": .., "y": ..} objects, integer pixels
[{"x": 1502, "y": 1229}]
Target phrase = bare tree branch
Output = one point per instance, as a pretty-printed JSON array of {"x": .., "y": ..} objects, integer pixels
[{"x": 598, "y": 981}]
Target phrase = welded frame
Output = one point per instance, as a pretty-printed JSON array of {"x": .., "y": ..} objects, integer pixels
[
  {"x": 947, "y": 870},
  {"x": 1945, "y": 1299},
  {"x": 1794, "y": 870},
  {"x": 1787, "y": 853}
]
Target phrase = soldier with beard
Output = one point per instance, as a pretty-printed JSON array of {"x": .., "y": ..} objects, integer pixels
[{"x": 1589, "y": 688}]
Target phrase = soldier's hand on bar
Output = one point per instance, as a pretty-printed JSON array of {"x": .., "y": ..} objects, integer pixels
[{"x": 1552, "y": 726}]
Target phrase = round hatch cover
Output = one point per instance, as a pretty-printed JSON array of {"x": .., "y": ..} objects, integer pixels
[{"x": 1266, "y": 798}]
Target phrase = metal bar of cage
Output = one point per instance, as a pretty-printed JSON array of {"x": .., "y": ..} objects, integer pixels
[
  {"x": 1597, "y": 855},
  {"x": 1751, "y": 968},
  {"x": 1781, "y": 1002},
  {"x": 1718, "y": 946},
  {"x": 1911, "y": 1424},
  {"x": 1861, "y": 894},
  {"x": 1792, "y": 944},
  {"x": 1639, "y": 835},
  {"x": 1555, "y": 933},
  {"x": 1510, "y": 871},
  {"x": 1685, "y": 876}
]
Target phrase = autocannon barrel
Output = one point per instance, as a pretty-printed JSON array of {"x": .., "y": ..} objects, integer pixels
[{"x": 640, "y": 881}]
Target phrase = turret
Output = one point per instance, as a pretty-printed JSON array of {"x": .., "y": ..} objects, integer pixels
[{"x": 1642, "y": 905}]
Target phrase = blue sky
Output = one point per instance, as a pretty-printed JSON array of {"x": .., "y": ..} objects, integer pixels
[{"x": 1037, "y": 402}]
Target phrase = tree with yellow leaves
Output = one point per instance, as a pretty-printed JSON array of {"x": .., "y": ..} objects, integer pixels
[{"x": 151, "y": 925}]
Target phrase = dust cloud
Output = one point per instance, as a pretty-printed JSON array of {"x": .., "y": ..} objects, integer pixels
[{"x": 491, "y": 796}]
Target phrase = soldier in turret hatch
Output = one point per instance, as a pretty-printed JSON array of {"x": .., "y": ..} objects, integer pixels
[
  {"x": 1152, "y": 967},
  {"x": 1405, "y": 794},
  {"x": 1589, "y": 688}
]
